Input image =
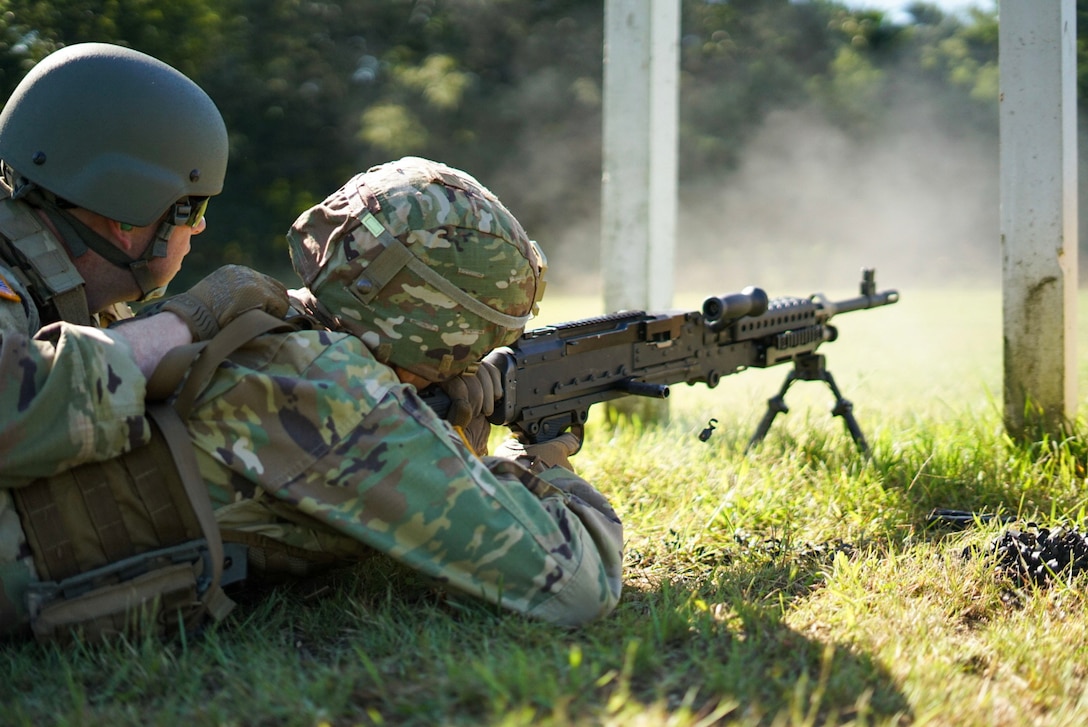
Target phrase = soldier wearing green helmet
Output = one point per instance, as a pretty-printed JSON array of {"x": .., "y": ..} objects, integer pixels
[
  {"x": 315, "y": 448},
  {"x": 107, "y": 160}
]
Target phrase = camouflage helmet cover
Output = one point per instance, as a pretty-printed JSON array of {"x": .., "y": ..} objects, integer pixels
[{"x": 421, "y": 262}]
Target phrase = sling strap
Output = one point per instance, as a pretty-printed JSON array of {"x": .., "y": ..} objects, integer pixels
[{"x": 195, "y": 363}]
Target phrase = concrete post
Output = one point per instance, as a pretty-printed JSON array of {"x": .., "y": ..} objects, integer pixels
[
  {"x": 638, "y": 183},
  {"x": 1039, "y": 212},
  {"x": 638, "y": 192}
]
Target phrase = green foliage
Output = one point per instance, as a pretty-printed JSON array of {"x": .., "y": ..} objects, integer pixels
[
  {"x": 183, "y": 33},
  {"x": 968, "y": 59},
  {"x": 314, "y": 92},
  {"x": 738, "y": 62},
  {"x": 852, "y": 87}
]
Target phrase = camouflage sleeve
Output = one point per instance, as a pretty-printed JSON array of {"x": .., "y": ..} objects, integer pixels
[
  {"x": 69, "y": 394},
  {"x": 406, "y": 485},
  {"x": 574, "y": 505},
  {"x": 351, "y": 447}
]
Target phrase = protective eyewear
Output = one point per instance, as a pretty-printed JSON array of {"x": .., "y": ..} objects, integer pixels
[{"x": 190, "y": 211}]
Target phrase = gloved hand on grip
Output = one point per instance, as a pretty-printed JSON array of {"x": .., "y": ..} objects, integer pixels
[
  {"x": 224, "y": 295},
  {"x": 472, "y": 399},
  {"x": 538, "y": 457},
  {"x": 473, "y": 393}
]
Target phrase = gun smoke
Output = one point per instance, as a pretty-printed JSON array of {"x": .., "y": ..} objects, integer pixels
[{"x": 809, "y": 205}]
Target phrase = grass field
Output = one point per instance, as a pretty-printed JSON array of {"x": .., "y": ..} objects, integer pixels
[{"x": 799, "y": 584}]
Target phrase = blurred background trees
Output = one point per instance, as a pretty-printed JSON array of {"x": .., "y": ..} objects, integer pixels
[{"x": 510, "y": 90}]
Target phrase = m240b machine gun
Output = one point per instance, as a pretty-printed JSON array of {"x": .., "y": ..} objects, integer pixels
[{"x": 552, "y": 375}]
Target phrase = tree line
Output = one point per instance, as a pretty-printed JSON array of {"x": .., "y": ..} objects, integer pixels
[{"x": 509, "y": 90}]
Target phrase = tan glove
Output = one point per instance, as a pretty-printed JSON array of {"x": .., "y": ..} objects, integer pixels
[
  {"x": 224, "y": 295},
  {"x": 538, "y": 457},
  {"x": 472, "y": 399},
  {"x": 472, "y": 393}
]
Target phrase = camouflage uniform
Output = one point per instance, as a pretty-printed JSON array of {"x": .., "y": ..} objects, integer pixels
[
  {"x": 310, "y": 439},
  {"x": 425, "y": 267},
  {"x": 50, "y": 425},
  {"x": 313, "y": 421},
  {"x": 70, "y": 393}
]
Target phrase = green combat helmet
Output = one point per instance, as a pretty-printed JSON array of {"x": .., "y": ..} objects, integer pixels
[
  {"x": 422, "y": 263},
  {"x": 114, "y": 131},
  {"x": 119, "y": 133}
]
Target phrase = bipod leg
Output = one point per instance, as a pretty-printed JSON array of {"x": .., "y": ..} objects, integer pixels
[
  {"x": 775, "y": 405},
  {"x": 845, "y": 409},
  {"x": 810, "y": 367},
  {"x": 813, "y": 368}
]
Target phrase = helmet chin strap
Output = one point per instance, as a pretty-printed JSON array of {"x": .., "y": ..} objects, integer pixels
[
  {"x": 79, "y": 238},
  {"x": 138, "y": 267}
]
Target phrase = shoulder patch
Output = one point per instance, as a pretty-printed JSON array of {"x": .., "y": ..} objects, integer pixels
[{"x": 7, "y": 292}]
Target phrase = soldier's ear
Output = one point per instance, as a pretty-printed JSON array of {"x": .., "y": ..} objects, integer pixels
[{"x": 125, "y": 235}]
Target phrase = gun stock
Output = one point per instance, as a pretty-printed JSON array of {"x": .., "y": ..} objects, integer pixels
[{"x": 552, "y": 375}]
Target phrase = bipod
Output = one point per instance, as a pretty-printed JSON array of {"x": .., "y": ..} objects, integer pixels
[{"x": 810, "y": 367}]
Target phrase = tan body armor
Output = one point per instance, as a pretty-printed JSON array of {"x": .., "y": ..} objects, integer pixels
[
  {"x": 42, "y": 265},
  {"x": 129, "y": 543},
  {"x": 126, "y": 539}
]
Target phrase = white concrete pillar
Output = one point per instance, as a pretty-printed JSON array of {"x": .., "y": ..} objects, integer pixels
[
  {"x": 1038, "y": 66},
  {"x": 638, "y": 188}
]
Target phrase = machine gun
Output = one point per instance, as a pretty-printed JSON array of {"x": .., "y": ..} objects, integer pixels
[{"x": 552, "y": 375}]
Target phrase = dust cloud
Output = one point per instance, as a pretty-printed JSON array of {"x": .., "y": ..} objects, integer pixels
[{"x": 809, "y": 206}]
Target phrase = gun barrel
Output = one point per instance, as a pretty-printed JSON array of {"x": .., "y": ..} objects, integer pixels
[
  {"x": 875, "y": 300},
  {"x": 869, "y": 297}
]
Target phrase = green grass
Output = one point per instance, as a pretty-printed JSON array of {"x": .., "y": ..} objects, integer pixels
[{"x": 798, "y": 584}]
